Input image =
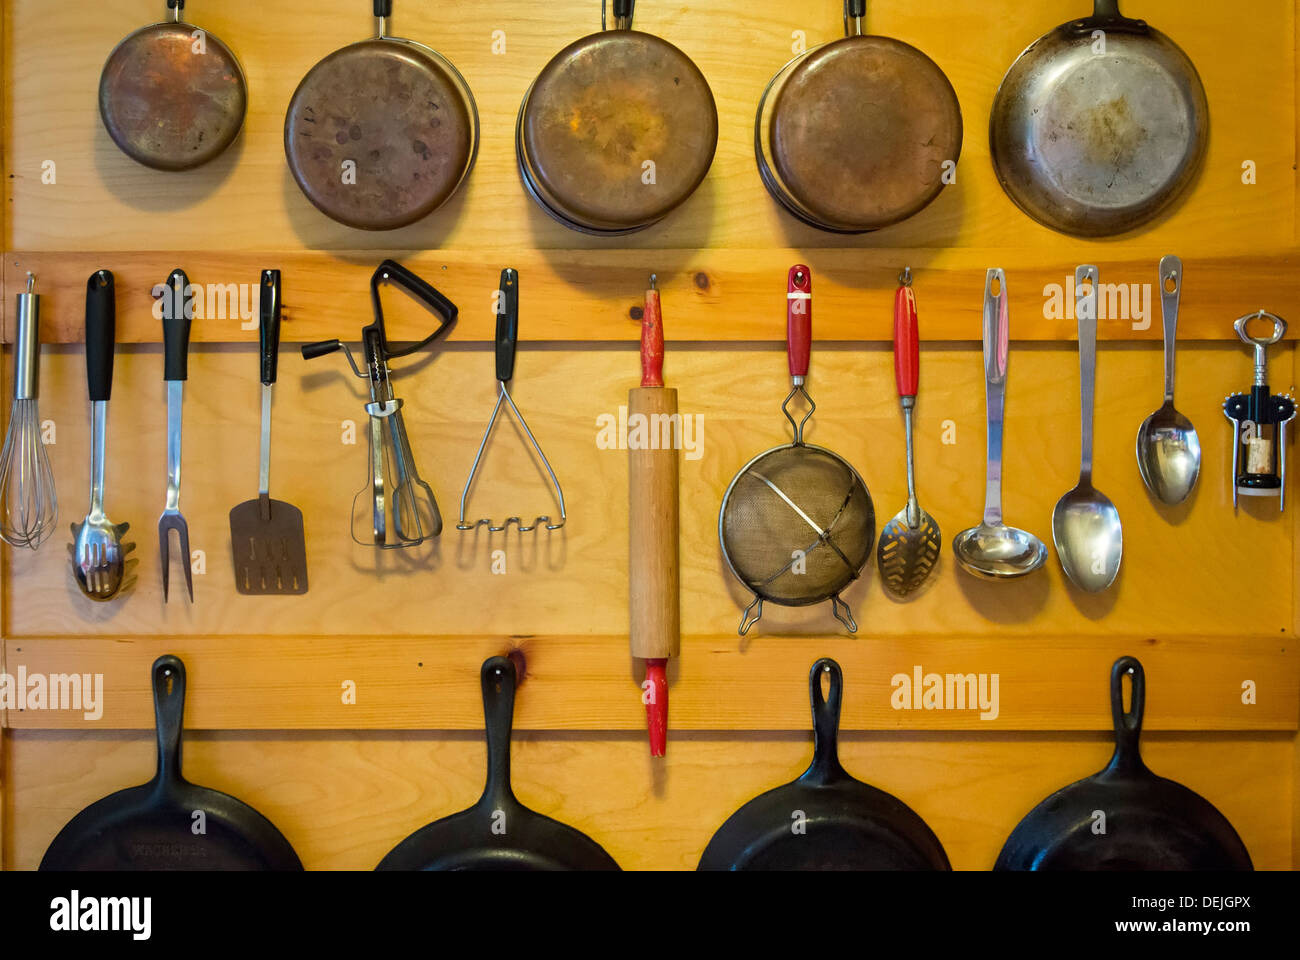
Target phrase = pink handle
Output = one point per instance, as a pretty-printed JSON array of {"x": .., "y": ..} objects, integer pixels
[
  {"x": 798, "y": 322},
  {"x": 652, "y": 341},
  {"x": 907, "y": 348}
]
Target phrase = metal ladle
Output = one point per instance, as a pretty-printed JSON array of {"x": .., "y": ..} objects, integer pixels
[
  {"x": 993, "y": 550},
  {"x": 1085, "y": 524},
  {"x": 1168, "y": 449}
]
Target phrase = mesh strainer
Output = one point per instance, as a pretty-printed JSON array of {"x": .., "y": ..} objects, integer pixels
[{"x": 797, "y": 524}]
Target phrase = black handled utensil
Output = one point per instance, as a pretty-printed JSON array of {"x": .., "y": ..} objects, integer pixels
[
  {"x": 178, "y": 313},
  {"x": 267, "y": 540}
]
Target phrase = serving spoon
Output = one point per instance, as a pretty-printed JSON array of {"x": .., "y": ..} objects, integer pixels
[
  {"x": 1085, "y": 524},
  {"x": 1168, "y": 449},
  {"x": 992, "y": 550}
]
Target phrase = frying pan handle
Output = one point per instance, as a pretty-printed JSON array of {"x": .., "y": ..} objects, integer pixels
[
  {"x": 623, "y": 13},
  {"x": 1128, "y": 725},
  {"x": 826, "y": 721},
  {"x": 507, "y": 324},
  {"x": 499, "y": 680},
  {"x": 168, "y": 674},
  {"x": 907, "y": 347},
  {"x": 798, "y": 321},
  {"x": 1105, "y": 14},
  {"x": 383, "y": 8}
]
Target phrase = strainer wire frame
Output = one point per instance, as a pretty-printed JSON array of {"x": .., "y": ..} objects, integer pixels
[{"x": 754, "y": 611}]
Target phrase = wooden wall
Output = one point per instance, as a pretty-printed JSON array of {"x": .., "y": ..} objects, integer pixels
[{"x": 1206, "y": 600}]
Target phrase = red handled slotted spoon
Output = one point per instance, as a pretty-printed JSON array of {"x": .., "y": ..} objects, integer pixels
[{"x": 908, "y": 551}]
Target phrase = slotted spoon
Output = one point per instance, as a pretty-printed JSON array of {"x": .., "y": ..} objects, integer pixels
[{"x": 909, "y": 546}]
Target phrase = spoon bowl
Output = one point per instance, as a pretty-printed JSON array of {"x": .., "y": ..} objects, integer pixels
[
  {"x": 998, "y": 552},
  {"x": 1088, "y": 536},
  {"x": 1168, "y": 455}
]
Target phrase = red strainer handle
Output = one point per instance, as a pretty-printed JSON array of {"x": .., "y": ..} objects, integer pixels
[{"x": 798, "y": 324}]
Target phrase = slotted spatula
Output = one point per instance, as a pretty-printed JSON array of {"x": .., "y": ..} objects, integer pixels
[{"x": 266, "y": 536}]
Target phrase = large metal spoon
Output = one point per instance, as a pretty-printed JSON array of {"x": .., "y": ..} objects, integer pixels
[
  {"x": 1085, "y": 524},
  {"x": 1168, "y": 449},
  {"x": 992, "y": 550}
]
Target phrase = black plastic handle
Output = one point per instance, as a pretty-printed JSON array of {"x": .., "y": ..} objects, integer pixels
[
  {"x": 1128, "y": 724},
  {"x": 825, "y": 766},
  {"x": 101, "y": 333},
  {"x": 499, "y": 681},
  {"x": 168, "y": 674},
  {"x": 507, "y": 324},
  {"x": 390, "y": 271},
  {"x": 268, "y": 327},
  {"x": 383, "y": 8},
  {"x": 178, "y": 313},
  {"x": 310, "y": 351},
  {"x": 175, "y": 4},
  {"x": 856, "y": 8},
  {"x": 623, "y": 8}
]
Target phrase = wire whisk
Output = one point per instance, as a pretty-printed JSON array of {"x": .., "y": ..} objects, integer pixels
[{"x": 28, "y": 497}]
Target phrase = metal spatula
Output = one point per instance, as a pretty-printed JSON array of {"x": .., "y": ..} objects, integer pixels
[
  {"x": 908, "y": 551},
  {"x": 266, "y": 536}
]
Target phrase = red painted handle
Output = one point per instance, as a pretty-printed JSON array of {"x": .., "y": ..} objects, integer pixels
[
  {"x": 907, "y": 350},
  {"x": 798, "y": 319},
  {"x": 652, "y": 341},
  {"x": 656, "y": 708}
]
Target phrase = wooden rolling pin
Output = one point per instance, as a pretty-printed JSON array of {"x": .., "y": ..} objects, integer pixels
[{"x": 655, "y": 632}]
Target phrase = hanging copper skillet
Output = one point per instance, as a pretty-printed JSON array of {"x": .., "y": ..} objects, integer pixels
[
  {"x": 1099, "y": 125},
  {"x": 1125, "y": 817},
  {"x": 172, "y": 96},
  {"x": 617, "y": 130},
  {"x": 854, "y": 135},
  {"x": 381, "y": 132}
]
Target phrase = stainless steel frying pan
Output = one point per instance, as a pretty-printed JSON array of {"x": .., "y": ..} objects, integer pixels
[{"x": 1099, "y": 125}]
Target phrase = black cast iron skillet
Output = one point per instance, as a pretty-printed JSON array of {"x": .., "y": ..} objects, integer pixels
[
  {"x": 153, "y": 826},
  {"x": 1150, "y": 823},
  {"x": 825, "y": 820},
  {"x": 498, "y": 832}
]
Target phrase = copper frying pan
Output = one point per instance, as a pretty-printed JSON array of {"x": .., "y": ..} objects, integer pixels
[
  {"x": 617, "y": 130},
  {"x": 172, "y": 96},
  {"x": 856, "y": 134},
  {"x": 381, "y": 132}
]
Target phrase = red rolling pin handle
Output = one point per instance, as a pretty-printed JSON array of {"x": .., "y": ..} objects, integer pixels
[
  {"x": 652, "y": 339},
  {"x": 798, "y": 324},
  {"x": 655, "y": 695},
  {"x": 907, "y": 348}
]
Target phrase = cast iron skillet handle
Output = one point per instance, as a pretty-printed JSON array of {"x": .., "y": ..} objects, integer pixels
[
  {"x": 169, "y": 711},
  {"x": 1128, "y": 726},
  {"x": 507, "y": 324},
  {"x": 390, "y": 271},
  {"x": 499, "y": 679},
  {"x": 268, "y": 329},
  {"x": 177, "y": 317},
  {"x": 101, "y": 332},
  {"x": 826, "y": 723}
]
